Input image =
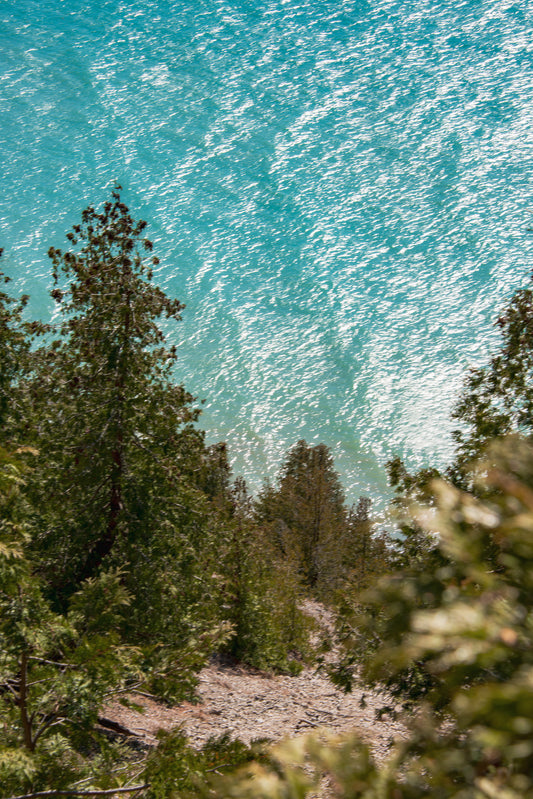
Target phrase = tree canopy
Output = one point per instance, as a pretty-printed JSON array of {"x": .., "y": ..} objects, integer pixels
[
  {"x": 116, "y": 484},
  {"x": 14, "y": 346},
  {"x": 306, "y": 510},
  {"x": 498, "y": 399},
  {"x": 127, "y": 557}
]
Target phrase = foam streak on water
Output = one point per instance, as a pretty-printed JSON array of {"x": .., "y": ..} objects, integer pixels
[{"x": 339, "y": 191}]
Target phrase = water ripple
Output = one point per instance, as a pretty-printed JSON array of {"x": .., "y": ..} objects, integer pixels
[{"x": 338, "y": 190}]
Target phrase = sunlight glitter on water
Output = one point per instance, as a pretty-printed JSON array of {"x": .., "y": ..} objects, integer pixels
[{"x": 340, "y": 192}]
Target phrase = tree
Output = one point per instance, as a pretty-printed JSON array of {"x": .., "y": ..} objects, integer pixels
[
  {"x": 14, "y": 345},
  {"x": 497, "y": 400},
  {"x": 55, "y": 669},
  {"x": 365, "y": 553},
  {"x": 116, "y": 483},
  {"x": 262, "y": 593},
  {"x": 307, "y": 512}
]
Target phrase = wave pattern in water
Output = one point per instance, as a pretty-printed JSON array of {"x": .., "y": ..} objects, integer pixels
[{"x": 340, "y": 192}]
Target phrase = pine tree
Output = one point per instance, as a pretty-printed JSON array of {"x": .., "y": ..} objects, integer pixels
[
  {"x": 55, "y": 669},
  {"x": 473, "y": 642},
  {"x": 262, "y": 593}
]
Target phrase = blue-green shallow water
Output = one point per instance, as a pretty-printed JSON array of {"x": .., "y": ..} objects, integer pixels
[{"x": 339, "y": 191}]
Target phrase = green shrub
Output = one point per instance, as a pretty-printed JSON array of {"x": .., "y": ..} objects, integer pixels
[{"x": 174, "y": 768}]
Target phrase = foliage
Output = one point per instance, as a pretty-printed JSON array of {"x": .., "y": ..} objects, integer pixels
[
  {"x": 55, "y": 670},
  {"x": 117, "y": 482},
  {"x": 366, "y": 553},
  {"x": 495, "y": 401},
  {"x": 371, "y": 557},
  {"x": 307, "y": 517},
  {"x": 475, "y": 639},
  {"x": 115, "y": 552},
  {"x": 175, "y": 768},
  {"x": 310, "y": 765},
  {"x": 270, "y": 630},
  {"x": 498, "y": 399},
  {"x": 262, "y": 594},
  {"x": 104, "y": 387},
  {"x": 14, "y": 346},
  {"x": 307, "y": 508}
]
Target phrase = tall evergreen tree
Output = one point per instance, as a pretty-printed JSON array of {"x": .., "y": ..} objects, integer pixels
[
  {"x": 365, "y": 554},
  {"x": 262, "y": 592},
  {"x": 307, "y": 511},
  {"x": 116, "y": 486}
]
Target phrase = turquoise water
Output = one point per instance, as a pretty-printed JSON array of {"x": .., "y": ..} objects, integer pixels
[{"x": 339, "y": 191}]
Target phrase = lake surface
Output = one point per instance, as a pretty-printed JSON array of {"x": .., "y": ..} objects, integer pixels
[{"x": 339, "y": 191}]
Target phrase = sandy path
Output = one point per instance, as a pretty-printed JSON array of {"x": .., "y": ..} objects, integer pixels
[{"x": 249, "y": 705}]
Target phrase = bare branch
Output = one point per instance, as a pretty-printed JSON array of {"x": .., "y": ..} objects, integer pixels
[
  {"x": 46, "y": 726},
  {"x": 109, "y": 724},
  {"x": 52, "y": 662},
  {"x": 128, "y": 690}
]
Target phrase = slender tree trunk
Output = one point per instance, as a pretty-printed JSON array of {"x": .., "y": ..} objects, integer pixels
[
  {"x": 314, "y": 565},
  {"x": 23, "y": 703},
  {"x": 105, "y": 544}
]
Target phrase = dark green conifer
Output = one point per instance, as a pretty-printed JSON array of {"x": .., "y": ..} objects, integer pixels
[
  {"x": 498, "y": 399},
  {"x": 14, "y": 345},
  {"x": 307, "y": 513},
  {"x": 117, "y": 481}
]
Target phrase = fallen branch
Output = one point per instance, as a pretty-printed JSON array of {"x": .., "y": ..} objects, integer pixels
[
  {"x": 107, "y": 792},
  {"x": 116, "y": 727}
]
